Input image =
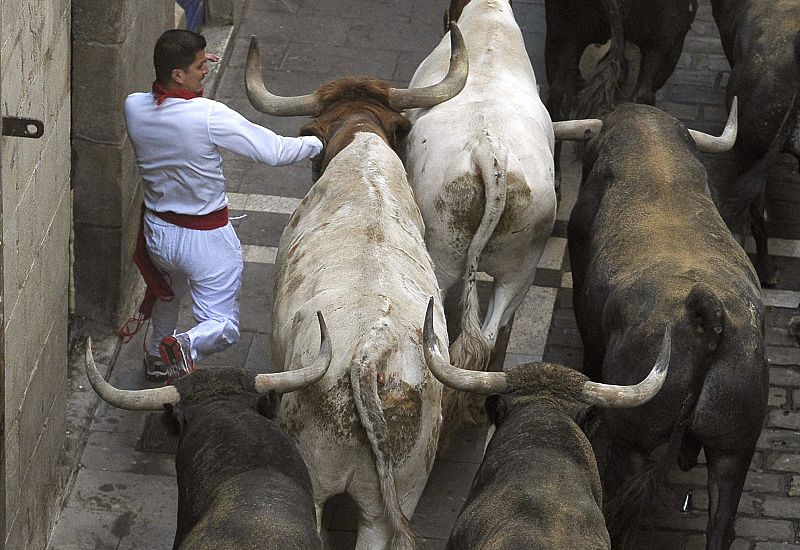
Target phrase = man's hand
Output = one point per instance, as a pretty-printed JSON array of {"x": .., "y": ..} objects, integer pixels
[{"x": 212, "y": 57}]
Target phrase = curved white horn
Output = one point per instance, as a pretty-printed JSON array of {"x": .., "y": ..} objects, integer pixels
[
  {"x": 297, "y": 379},
  {"x": 480, "y": 382},
  {"x": 265, "y": 101},
  {"x": 608, "y": 395},
  {"x": 577, "y": 130},
  {"x": 706, "y": 143},
  {"x": 133, "y": 400},
  {"x": 448, "y": 88}
]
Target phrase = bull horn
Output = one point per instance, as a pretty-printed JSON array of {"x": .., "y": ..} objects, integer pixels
[
  {"x": 266, "y": 102},
  {"x": 608, "y": 395},
  {"x": 480, "y": 382},
  {"x": 297, "y": 379},
  {"x": 133, "y": 400},
  {"x": 577, "y": 130},
  {"x": 706, "y": 143},
  {"x": 449, "y": 87}
]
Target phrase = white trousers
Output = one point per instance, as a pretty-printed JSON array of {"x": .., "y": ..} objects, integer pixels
[{"x": 207, "y": 264}]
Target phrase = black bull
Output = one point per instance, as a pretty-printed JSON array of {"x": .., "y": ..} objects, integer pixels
[
  {"x": 242, "y": 484},
  {"x": 538, "y": 484},
  {"x": 241, "y": 481},
  {"x": 761, "y": 39},
  {"x": 657, "y": 28},
  {"x": 648, "y": 248}
]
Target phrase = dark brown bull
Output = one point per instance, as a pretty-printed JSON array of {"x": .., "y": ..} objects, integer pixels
[
  {"x": 761, "y": 40},
  {"x": 656, "y": 28},
  {"x": 242, "y": 483},
  {"x": 647, "y": 249},
  {"x": 538, "y": 484}
]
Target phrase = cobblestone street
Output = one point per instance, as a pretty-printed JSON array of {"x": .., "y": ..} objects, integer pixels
[{"x": 125, "y": 497}]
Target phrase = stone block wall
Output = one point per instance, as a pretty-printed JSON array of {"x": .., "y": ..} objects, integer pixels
[
  {"x": 36, "y": 216},
  {"x": 224, "y": 12},
  {"x": 112, "y": 57}
]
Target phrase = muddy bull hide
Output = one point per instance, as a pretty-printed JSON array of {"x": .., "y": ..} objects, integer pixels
[
  {"x": 354, "y": 247},
  {"x": 242, "y": 484},
  {"x": 648, "y": 248},
  {"x": 538, "y": 485},
  {"x": 761, "y": 40}
]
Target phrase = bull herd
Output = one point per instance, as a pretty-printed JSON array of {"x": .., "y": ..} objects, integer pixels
[{"x": 419, "y": 189}]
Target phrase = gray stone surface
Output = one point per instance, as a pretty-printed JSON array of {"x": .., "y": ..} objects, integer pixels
[{"x": 305, "y": 43}]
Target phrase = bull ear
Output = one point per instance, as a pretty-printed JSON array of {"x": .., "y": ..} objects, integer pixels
[
  {"x": 173, "y": 419},
  {"x": 268, "y": 404},
  {"x": 397, "y": 129},
  {"x": 496, "y": 410}
]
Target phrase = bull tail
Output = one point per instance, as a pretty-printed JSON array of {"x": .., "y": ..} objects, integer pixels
[
  {"x": 706, "y": 315},
  {"x": 750, "y": 185},
  {"x": 623, "y": 510},
  {"x": 364, "y": 381},
  {"x": 599, "y": 94},
  {"x": 472, "y": 349}
]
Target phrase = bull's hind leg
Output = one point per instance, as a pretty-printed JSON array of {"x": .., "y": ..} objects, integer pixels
[
  {"x": 509, "y": 291},
  {"x": 726, "y": 475}
]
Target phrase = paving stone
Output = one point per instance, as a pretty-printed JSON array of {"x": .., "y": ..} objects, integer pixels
[
  {"x": 782, "y": 355},
  {"x": 115, "y": 452},
  {"x": 775, "y": 546},
  {"x": 783, "y": 462},
  {"x": 784, "y": 419},
  {"x": 781, "y": 440},
  {"x": 777, "y": 397},
  {"x": 762, "y": 529},
  {"x": 781, "y": 507},
  {"x": 784, "y": 376}
]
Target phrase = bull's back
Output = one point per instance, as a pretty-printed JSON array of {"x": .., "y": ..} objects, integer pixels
[{"x": 538, "y": 487}]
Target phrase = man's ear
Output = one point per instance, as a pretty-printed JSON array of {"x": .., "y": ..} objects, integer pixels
[{"x": 177, "y": 76}]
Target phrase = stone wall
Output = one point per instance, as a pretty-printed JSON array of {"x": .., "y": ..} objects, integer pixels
[
  {"x": 35, "y": 69},
  {"x": 112, "y": 57}
]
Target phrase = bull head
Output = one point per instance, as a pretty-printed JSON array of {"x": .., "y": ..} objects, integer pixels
[
  {"x": 593, "y": 393},
  {"x": 398, "y": 99},
  {"x": 154, "y": 399},
  {"x": 586, "y": 129}
]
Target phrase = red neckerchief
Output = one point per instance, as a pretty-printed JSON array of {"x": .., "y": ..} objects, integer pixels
[{"x": 161, "y": 93}]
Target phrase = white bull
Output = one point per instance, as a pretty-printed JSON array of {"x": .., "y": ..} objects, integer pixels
[
  {"x": 481, "y": 166},
  {"x": 354, "y": 250}
]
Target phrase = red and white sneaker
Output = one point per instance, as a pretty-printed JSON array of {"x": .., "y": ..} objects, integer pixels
[{"x": 176, "y": 356}]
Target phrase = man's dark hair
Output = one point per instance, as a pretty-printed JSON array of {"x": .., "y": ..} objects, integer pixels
[{"x": 175, "y": 49}]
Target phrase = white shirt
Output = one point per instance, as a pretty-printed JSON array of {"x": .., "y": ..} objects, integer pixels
[{"x": 177, "y": 148}]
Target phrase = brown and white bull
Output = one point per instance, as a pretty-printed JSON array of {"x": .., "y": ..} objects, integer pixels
[
  {"x": 242, "y": 484},
  {"x": 481, "y": 166},
  {"x": 761, "y": 40},
  {"x": 648, "y": 248},
  {"x": 538, "y": 485},
  {"x": 354, "y": 247}
]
